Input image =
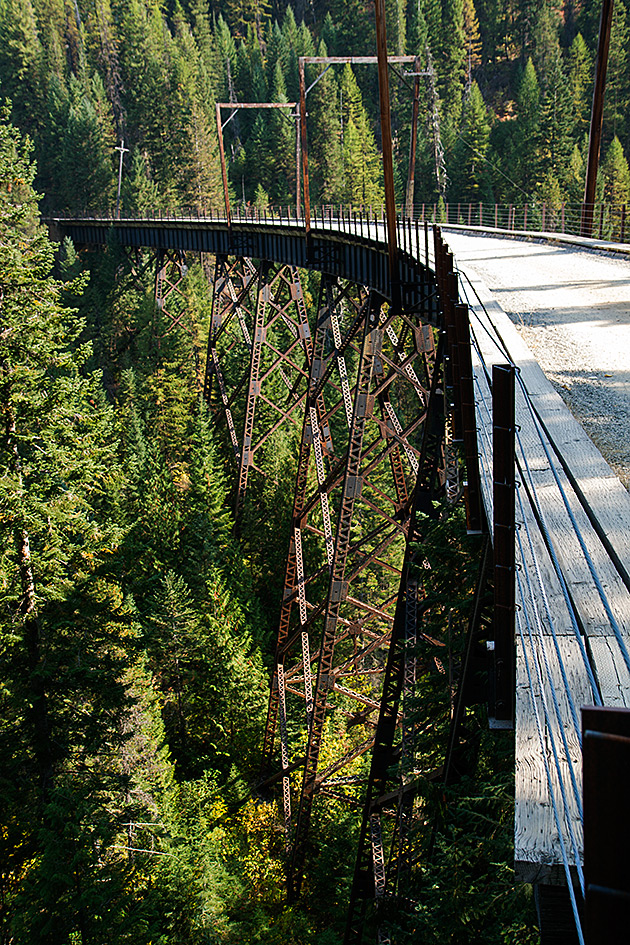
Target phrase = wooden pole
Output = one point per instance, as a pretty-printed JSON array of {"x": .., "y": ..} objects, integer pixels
[
  {"x": 414, "y": 138},
  {"x": 386, "y": 136},
  {"x": 304, "y": 145},
  {"x": 298, "y": 168},
  {"x": 597, "y": 117},
  {"x": 226, "y": 195}
]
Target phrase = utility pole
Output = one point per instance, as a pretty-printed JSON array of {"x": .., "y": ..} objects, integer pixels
[
  {"x": 597, "y": 117},
  {"x": 122, "y": 150},
  {"x": 388, "y": 160},
  {"x": 414, "y": 136}
]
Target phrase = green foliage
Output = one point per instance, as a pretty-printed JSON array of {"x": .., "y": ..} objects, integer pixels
[
  {"x": 616, "y": 175},
  {"x": 470, "y": 177}
]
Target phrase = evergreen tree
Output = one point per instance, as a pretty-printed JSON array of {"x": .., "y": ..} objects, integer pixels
[
  {"x": 452, "y": 62},
  {"x": 575, "y": 176},
  {"x": 473, "y": 40},
  {"x": 396, "y": 26},
  {"x": 470, "y": 175},
  {"x": 21, "y": 61},
  {"x": 83, "y": 166},
  {"x": 491, "y": 28},
  {"x": 140, "y": 193},
  {"x": 556, "y": 121},
  {"x": 545, "y": 46},
  {"x": 526, "y": 153},
  {"x": 616, "y": 121},
  {"x": 361, "y": 164},
  {"x": 63, "y": 620},
  {"x": 616, "y": 175},
  {"x": 325, "y": 155},
  {"x": 416, "y": 29},
  {"x": 580, "y": 80}
]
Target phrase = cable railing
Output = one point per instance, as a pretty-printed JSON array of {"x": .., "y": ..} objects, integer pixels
[
  {"x": 543, "y": 626},
  {"x": 610, "y": 222}
]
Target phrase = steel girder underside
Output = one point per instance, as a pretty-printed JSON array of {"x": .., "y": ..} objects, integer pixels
[{"x": 360, "y": 384}]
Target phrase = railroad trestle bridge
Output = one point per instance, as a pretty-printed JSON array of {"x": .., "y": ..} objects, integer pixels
[{"x": 405, "y": 388}]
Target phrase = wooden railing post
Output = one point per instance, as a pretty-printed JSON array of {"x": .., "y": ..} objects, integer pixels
[{"x": 504, "y": 533}]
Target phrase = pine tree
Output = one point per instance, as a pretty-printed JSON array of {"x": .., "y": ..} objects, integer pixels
[
  {"x": 63, "y": 619},
  {"x": 325, "y": 156},
  {"x": 473, "y": 40},
  {"x": 470, "y": 172},
  {"x": 140, "y": 193},
  {"x": 396, "y": 25},
  {"x": 616, "y": 121},
  {"x": 545, "y": 46},
  {"x": 361, "y": 164},
  {"x": 492, "y": 30},
  {"x": 452, "y": 63},
  {"x": 526, "y": 155},
  {"x": 556, "y": 121},
  {"x": 616, "y": 175},
  {"x": 416, "y": 29},
  {"x": 85, "y": 165},
  {"x": 575, "y": 176},
  {"x": 580, "y": 80},
  {"x": 21, "y": 61}
]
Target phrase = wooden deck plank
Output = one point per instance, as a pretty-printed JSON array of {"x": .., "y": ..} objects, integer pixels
[
  {"x": 603, "y": 490},
  {"x": 611, "y": 671},
  {"x": 537, "y": 850},
  {"x": 538, "y": 855}
]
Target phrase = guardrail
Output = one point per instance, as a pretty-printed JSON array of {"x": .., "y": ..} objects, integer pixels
[{"x": 610, "y": 221}]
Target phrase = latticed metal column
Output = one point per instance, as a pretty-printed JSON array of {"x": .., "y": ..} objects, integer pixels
[
  {"x": 258, "y": 362},
  {"x": 171, "y": 303},
  {"x": 368, "y": 391}
]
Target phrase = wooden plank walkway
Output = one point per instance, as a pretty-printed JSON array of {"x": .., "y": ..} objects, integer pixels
[{"x": 570, "y": 633}]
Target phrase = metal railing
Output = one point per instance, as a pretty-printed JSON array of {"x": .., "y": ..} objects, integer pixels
[{"x": 610, "y": 221}]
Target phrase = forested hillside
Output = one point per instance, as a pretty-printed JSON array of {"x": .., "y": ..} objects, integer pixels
[
  {"x": 512, "y": 83},
  {"x": 136, "y": 627}
]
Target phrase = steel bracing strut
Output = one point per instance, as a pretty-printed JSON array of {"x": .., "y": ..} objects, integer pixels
[
  {"x": 360, "y": 454},
  {"x": 258, "y": 360}
]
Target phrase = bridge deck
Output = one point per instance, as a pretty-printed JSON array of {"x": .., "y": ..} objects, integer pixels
[{"x": 573, "y": 621}]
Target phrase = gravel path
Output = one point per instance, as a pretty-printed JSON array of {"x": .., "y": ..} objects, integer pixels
[{"x": 572, "y": 308}]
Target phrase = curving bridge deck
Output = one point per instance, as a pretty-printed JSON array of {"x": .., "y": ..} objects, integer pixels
[{"x": 572, "y": 586}]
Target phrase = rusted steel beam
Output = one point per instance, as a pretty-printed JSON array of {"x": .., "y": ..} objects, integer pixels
[
  {"x": 428, "y": 487},
  {"x": 414, "y": 138},
  {"x": 386, "y": 144},
  {"x": 504, "y": 533},
  {"x": 337, "y": 587},
  {"x": 258, "y": 361}
]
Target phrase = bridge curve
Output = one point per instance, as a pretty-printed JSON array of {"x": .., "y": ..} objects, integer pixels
[
  {"x": 571, "y": 306},
  {"x": 351, "y": 249},
  {"x": 572, "y": 613}
]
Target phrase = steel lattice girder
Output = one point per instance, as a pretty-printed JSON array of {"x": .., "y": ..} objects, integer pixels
[
  {"x": 259, "y": 357},
  {"x": 368, "y": 392},
  {"x": 171, "y": 269}
]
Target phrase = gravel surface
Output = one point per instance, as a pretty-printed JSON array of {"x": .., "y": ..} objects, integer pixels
[{"x": 572, "y": 308}]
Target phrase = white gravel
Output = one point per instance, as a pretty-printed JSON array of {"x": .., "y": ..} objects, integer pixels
[{"x": 572, "y": 308}]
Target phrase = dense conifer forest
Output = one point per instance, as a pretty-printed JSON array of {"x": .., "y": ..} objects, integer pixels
[{"x": 136, "y": 627}]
